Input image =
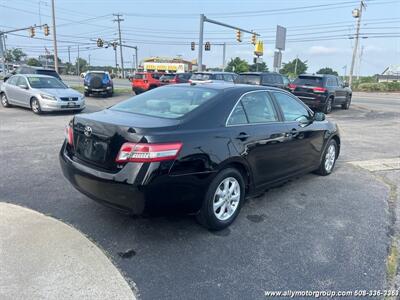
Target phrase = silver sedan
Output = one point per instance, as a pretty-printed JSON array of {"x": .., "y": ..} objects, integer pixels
[{"x": 40, "y": 93}]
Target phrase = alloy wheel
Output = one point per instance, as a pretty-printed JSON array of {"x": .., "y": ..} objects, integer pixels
[
  {"x": 226, "y": 198},
  {"x": 4, "y": 100},
  {"x": 329, "y": 106},
  {"x": 35, "y": 106},
  {"x": 330, "y": 158}
]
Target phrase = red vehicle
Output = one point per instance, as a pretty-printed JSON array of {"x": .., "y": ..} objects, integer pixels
[
  {"x": 172, "y": 78},
  {"x": 144, "y": 81}
]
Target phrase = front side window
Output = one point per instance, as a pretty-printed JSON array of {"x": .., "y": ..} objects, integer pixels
[
  {"x": 167, "y": 102},
  {"x": 228, "y": 77},
  {"x": 292, "y": 110}
]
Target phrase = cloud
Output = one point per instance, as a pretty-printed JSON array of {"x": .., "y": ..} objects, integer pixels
[{"x": 322, "y": 50}]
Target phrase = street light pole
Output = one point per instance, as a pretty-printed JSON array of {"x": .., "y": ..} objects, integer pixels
[
  {"x": 200, "y": 56},
  {"x": 223, "y": 56},
  {"x": 54, "y": 37},
  {"x": 357, "y": 14}
]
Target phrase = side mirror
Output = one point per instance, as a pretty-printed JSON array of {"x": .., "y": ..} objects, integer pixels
[
  {"x": 345, "y": 84},
  {"x": 319, "y": 116},
  {"x": 23, "y": 86}
]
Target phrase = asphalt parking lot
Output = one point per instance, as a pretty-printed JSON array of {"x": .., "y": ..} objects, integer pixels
[{"x": 312, "y": 233}]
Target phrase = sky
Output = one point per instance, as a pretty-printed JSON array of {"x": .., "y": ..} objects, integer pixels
[{"x": 318, "y": 31}]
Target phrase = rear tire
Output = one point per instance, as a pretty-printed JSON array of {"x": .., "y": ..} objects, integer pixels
[
  {"x": 35, "y": 106},
  {"x": 110, "y": 93},
  {"x": 329, "y": 159},
  {"x": 87, "y": 94},
  {"x": 346, "y": 105},
  {"x": 328, "y": 106},
  {"x": 4, "y": 100},
  {"x": 223, "y": 200}
]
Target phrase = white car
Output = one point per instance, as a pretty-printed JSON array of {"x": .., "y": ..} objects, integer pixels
[{"x": 40, "y": 93}]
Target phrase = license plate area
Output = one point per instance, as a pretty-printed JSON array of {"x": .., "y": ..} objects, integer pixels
[{"x": 91, "y": 149}]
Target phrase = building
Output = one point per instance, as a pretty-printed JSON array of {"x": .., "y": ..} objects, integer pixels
[
  {"x": 170, "y": 65},
  {"x": 390, "y": 74}
]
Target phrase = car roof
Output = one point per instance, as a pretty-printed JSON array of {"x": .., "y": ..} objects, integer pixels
[
  {"x": 259, "y": 73},
  {"x": 212, "y": 73},
  {"x": 36, "y": 68},
  {"x": 35, "y": 75},
  {"x": 317, "y": 75},
  {"x": 96, "y": 71}
]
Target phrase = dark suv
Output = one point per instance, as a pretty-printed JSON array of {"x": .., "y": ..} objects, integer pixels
[
  {"x": 264, "y": 78},
  {"x": 98, "y": 82},
  {"x": 172, "y": 78},
  {"x": 33, "y": 70},
  {"x": 322, "y": 92}
]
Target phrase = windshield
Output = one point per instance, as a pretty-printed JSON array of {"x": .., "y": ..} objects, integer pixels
[
  {"x": 170, "y": 102},
  {"x": 249, "y": 79},
  {"x": 45, "y": 83},
  {"x": 140, "y": 76},
  {"x": 200, "y": 76},
  {"x": 309, "y": 80}
]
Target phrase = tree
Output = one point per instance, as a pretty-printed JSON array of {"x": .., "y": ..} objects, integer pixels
[
  {"x": 15, "y": 55},
  {"x": 262, "y": 67},
  {"x": 33, "y": 62},
  {"x": 83, "y": 65},
  {"x": 237, "y": 65},
  {"x": 328, "y": 71},
  {"x": 290, "y": 69}
]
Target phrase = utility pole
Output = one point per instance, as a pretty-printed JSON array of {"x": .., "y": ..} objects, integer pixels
[
  {"x": 3, "y": 52},
  {"x": 295, "y": 65},
  {"x": 119, "y": 20},
  {"x": 357, "y": 13},
  {"x": 69, "y": 54},
  {"x": 359, "y": 62},
  {"x": 223, "y": 56},
  {"x": 89, "y": 61},
  {"x": 54, "y": 37},
  {"x": 78, "y": 61}
]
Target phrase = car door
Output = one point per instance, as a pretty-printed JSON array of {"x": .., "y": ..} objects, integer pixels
[
  {"x": 305, "y": 137},
  {"x": 22, "y": 95},
  {"x": 341, "y": 90},
  {"x": 260, "y": 137},
  {"x": 10, "y": 88}
]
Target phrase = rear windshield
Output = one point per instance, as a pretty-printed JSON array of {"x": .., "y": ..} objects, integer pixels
[
  {"x": 248, "y": 79},
  {"x": 200, "y": 76},
  {"x": 309, "y": 80},
  {"x": 170, "y": 102},
  {"x": 48, "y": 72},
  {"x": 45, "y": 83},
  {"x": 139, "y": 76},
  {"x": 167, "y": 77}
]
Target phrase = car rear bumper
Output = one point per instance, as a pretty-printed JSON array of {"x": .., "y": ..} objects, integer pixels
[
  {"x": 100, "y": 186},
  {"x": 313, "y": 101},
  {"x": 128, "y": 190},
  {"x": 98, "y": 90}
]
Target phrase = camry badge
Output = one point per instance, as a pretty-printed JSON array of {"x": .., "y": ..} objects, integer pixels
[{"x": 87, "y": 131}]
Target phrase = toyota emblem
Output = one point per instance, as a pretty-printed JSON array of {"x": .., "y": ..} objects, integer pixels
[{"x": 87, "y": 131}]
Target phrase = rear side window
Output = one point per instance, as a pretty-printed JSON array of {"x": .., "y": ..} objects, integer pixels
[
  {"x": 255, "y": 107},
  {"x": 278, "y": 78},
  {"x": 248, "y": 79},
  {"x": 309, "y": 80},
  {"x": 219, "y": 77},
  {"x": 12, "y": 80},
  {"x": 200, "y": 76},
  {"x": 167, "y": 102},
  {"x": 331, "y": 82}
]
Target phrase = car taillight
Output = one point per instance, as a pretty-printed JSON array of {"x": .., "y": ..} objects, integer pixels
[
  {"x": 69, "y": 135},
  {"x": 292, "y": 86},
  {"x": 142, "y": 152},
  {"x": 319, "y": 89}
]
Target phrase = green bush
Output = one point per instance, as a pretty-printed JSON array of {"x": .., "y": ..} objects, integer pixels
[{"x": 378, "y": 87}]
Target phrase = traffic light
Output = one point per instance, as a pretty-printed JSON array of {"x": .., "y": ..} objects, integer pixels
[
  {"x": 32, "y": 32},
  {"x": 46, "y": 30},
  {"x": 207, "y": 46},
  {"x": 239, "y": 36},
  {"x": 192, "y": 46},
  {"x": 254, "y": 39},
  {"x": 100, "y": 43}
]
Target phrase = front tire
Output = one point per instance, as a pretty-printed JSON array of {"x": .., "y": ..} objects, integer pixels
[
  {"x": 329, "y": 159},
  {"x": 4, "y": 100},
  {"x": 223, "y": 200},
  {"x": 346, "y": 105},
  {"x": 328, "y": 106},
  {"x": 35, "y": 106}
]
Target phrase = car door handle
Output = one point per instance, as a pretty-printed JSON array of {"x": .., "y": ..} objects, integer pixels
[{"x": 242, "y": 136}]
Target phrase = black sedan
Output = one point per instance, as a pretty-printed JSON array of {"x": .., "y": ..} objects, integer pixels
[{"x": 201, "y": 148}]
